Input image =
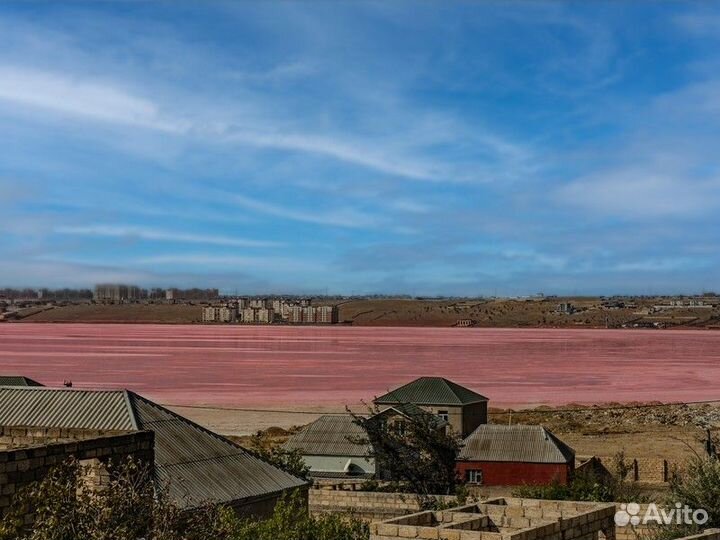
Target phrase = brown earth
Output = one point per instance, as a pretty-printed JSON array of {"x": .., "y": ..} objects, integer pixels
[
  {"x": 672, "y": 433},
  {"x": 120, "y": 313},
  {"x": 411, "y": 312}
]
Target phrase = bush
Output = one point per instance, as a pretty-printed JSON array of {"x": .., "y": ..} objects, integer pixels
[
  {"x": 131, "y": 507},
  {"x": 590, "y": 485}
]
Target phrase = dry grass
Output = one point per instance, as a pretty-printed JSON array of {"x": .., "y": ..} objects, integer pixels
[{"x": 123, "y": 313}]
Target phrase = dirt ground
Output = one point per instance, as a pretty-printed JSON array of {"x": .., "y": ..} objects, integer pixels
[
  {"x": 121, "y": 313},
  {"x": 500, "y": 313},
  {"x": 647, "y": 438}
]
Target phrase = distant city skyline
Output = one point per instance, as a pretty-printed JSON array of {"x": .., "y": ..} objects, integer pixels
[{"x": 470, "y": 149}]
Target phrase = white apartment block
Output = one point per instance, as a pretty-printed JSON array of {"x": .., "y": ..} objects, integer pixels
[
  {"x": 248, "y": 315},
  {"x": 327, "y": 314},
  {"x": 264, "y": 315},
  {"x": 309, "y": 314}
]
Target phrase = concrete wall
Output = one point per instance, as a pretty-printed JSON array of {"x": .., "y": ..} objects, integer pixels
[
  {"x": 463, "y": 420},
  {"x": 514, "y": 474},
  {"x": 473, "y": 416},
  {"x": 22, "y": 466}
]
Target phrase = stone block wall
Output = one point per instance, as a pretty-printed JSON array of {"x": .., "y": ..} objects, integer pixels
[
  {"x": 22, "y": 466},
  {"x": 369, "y": 505},
  {"x": 21, "y": 436},
  {"x": 504, "y": 519}
]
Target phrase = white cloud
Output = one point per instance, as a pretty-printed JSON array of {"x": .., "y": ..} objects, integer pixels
[
  {"x": 642, "y": 193},
  {"x": 74, "y": 96},
  {"x": 169, "y": 236}
]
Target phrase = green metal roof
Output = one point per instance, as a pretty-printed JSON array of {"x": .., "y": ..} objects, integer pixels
[
  {"x": 17, "y": 380},
  {"x": 431, "y": 391},
  {"x": 196, "y": 465}
]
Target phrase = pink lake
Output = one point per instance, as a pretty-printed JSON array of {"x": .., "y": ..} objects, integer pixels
[{"x": 276, "y": 366}]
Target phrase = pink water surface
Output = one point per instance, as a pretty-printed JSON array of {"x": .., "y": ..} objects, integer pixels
[{"x": 280, "y": 366}]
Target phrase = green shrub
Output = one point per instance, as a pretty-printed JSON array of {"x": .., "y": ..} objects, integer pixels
[{"x": 131, "y": 507}]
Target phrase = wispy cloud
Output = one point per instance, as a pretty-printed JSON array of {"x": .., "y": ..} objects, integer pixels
[
  {"x": 215, "y": 262},
  {"x": 143, "y": 233},
  {"x": 340, "y": 218}
]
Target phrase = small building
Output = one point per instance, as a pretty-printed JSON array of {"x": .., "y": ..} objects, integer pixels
[
  {"x": 461, "y": 407},
  {"x": 500, "y": 455},
  {"x": 196, "y": 465},
  {"x": 334, "y": 446}
]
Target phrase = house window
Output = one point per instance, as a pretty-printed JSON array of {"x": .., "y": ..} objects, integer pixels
[
  {"x": 474, "y": 476},
  {"x": 399, "y": 427},
  {"x": 444, "y": 415}
]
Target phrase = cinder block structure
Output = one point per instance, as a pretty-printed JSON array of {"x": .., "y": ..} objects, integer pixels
[{"x": 505, "y": 519}]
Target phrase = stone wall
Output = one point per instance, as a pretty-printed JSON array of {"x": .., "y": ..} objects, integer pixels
[
  {"x": 21, "y": 436},
  {"x": 647, "y": 470},
  {"x": 22, "y": 466},
  {"x": 369, "y": 505}
]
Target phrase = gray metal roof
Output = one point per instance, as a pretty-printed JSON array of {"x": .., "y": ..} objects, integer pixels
[
  {"x": 105, "y": 410},
  {"x": 431, "y": 391},
  {"x": 330, "y": 436},
  {"x": 196, "y": 465},
  {"x": 524, "y": 444},
  {"x": 17, "y": 380}
]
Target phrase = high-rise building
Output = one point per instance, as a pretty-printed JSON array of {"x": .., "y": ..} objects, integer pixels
[{"x": 327, "y": 314}]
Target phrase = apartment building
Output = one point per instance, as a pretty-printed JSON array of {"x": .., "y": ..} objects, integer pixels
[
  {"x": 309, "y": 314},
  {"x": 326, "y": 315},
  {"x": 117, "y": 293},
  {"x": 223, "y": 314},
  {"x": 248, "y": 315}
]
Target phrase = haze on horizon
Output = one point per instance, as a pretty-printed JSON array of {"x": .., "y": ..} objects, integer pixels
[{"x": 367, "y": 147}]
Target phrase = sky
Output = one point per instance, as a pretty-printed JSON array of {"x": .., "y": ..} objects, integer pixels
[{"x": 424, "y": 148}]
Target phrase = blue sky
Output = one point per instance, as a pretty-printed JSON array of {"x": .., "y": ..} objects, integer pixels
[{"x": 423, "y": 147}]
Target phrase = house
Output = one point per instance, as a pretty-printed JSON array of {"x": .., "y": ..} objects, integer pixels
[
  {"x": 461, "y": 407},
  {"x": 500, "y": 455},
  {"x": 335, "y": 446},
  {"x": 195, "y": 465}
]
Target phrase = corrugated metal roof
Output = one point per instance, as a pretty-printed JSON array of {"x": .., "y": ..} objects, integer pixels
[
  {"x": 196, "y": 465},
  {"x": 524, "y": 444},
  {"x": 17, "y": 380},
  {"x": 104, "y": 410},
  {"x": 330, "y": 436},
  {"x": 201, "y": 466},
  {"x": 431, "y": 391}
]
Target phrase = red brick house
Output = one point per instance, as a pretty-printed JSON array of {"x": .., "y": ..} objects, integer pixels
[{"x": 500, "y": 455}]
